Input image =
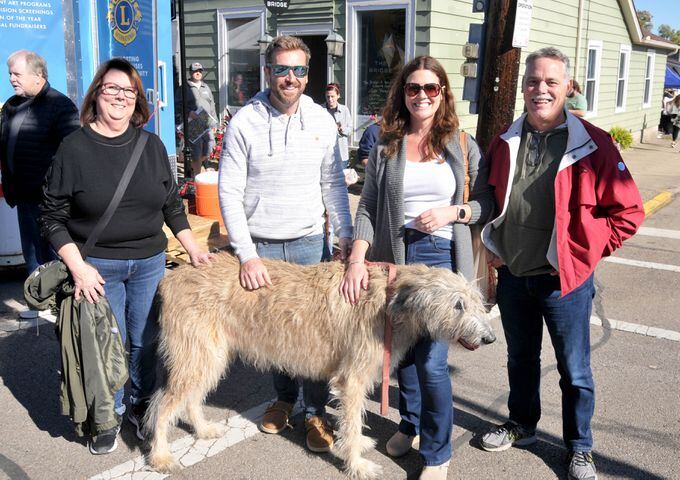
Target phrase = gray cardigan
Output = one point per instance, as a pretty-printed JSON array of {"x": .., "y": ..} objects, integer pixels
[{"x": 380, "y": 215}]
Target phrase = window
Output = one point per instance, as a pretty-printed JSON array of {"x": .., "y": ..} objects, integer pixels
[
  {"x": 244, "y": 61},
  {"x": 238, "y": 56},
  {"x": 649, "y": 75},
  {"x": 381, "y": 56},
  {"x": 380, "y": 40},
  {"x": 622, "y": 78},
  {"x": 592, "y": 82}
]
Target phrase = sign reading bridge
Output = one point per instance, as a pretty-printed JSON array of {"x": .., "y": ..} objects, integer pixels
[{"x": 276, "y": 6}]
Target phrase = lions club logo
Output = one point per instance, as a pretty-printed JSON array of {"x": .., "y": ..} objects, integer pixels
[{"x": 124, "y": 18}]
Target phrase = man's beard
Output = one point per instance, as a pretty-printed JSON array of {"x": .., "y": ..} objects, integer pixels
[{"x": 287, "y": 100}]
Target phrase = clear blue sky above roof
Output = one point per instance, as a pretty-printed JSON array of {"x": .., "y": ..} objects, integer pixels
[{"x": 663, "y": 12}]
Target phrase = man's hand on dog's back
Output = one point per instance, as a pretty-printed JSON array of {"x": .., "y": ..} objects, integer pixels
[{"x": 254, "y": 274}]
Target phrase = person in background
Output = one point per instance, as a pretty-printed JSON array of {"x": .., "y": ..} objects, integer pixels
[
  {"x": 412, "y": 211},
  {"x": 675, "y": 120},
  {"x": 33, "y": 122},
  {"x": 566, "y": 200},
  {"x": 237, "y": 93},
  {"x": 576, "y": 102},
  {"x": 368, "y": 139},
  {"x": 199, "y": 99},
  {"x": 278, "y": 174},
  {"x": 343, "y": 120},
  {"x": 665, "y": 122},
  {"x": 128, "y": 260}
]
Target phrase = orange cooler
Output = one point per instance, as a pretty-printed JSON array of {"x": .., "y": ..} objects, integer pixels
[{"x": 207, "y": 203}]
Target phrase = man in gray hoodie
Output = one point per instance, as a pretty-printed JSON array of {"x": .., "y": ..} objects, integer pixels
[{"x": 278, "y": 175}]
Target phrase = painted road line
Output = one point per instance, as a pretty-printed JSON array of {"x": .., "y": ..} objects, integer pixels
[
  {"x": 189, "y": 451},
  {"x": 656, "y": 203},
  {"x": 659, "y": 232},
  {"x": 640, "y": 263},
  {"x": 645, "y": 330}
]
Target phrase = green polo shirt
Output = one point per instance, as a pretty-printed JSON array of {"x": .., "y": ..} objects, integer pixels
[{"x": 524, "y": 235}]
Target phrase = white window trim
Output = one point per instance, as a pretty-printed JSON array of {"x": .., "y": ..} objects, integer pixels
[
  {"x": 651, "y": 55},
  {"x": 626, "y": 71},
  {"x": 597, "y": 46},
  {"x": 323, "y": 29},
  {"x": 222, "y": 15},
  {"x": 352, "y": 9}
]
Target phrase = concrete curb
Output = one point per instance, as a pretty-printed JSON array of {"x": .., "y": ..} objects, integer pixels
[{"x": 657, "y": 203}]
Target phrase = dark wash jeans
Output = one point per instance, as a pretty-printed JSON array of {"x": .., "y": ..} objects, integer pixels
[
  {"x": 425, "y": 393},
  {"x": 34, "y": 248},
  {"x": 525, "y": 303},
  {"x": 130, "y": 288},
  {"x": 307, "y": 250}
]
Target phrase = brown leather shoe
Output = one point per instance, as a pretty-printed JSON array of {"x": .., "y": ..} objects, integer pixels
[
  {"x": 319, "y": 435},
  {"x": 275, "y": 418}
]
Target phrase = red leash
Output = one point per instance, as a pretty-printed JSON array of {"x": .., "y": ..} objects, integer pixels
[{"x": 387, "y": 338}]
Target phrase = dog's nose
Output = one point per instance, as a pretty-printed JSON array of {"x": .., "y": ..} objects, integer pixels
[{"x": 490, "y": 338}]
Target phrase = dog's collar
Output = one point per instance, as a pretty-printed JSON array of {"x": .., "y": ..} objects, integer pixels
[{"x": 387, "y": 337}]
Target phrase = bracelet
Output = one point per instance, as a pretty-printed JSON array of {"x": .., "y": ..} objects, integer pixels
[{"x": 352, "y": 262}]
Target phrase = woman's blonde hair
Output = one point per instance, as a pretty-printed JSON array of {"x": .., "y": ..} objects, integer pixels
[{"x": 396, "y": 117}]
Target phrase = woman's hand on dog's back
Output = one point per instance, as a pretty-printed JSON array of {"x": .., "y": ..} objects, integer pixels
[{"x": 356, "y": 274}]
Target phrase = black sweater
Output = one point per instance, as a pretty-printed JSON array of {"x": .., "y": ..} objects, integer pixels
[
  {"x": 82, "y": 180},
  {"x": 51, "y": 117}
]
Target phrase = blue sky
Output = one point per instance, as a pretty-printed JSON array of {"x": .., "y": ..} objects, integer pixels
[{"x": 663, "y": 11}]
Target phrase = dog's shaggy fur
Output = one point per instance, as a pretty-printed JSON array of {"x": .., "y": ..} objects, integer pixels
[{"x": 303, "y": 326}]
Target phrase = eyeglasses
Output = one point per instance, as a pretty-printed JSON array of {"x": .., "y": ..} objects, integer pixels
[
  {"x": 113, "y": 89},
  {"x": 282, "y": 70},
  {"x": 431, "y": 89}
]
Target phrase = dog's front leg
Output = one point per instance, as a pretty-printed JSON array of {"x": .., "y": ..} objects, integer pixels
[{"x": 351, "y": 392}]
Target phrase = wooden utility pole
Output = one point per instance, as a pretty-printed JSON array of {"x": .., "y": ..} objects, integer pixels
[{"x": 501, "y": 70}]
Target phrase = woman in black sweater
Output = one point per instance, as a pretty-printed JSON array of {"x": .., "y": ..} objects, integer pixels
[{"x": 128, "y": 260}]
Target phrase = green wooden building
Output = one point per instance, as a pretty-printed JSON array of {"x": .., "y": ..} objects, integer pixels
[{"x": 620, "y": 70}]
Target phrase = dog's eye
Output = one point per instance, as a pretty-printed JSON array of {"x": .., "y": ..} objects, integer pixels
[{"x": 458, "y": 305}]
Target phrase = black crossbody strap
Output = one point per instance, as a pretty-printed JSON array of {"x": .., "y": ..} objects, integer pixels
[{"x": 118, "y": 195}]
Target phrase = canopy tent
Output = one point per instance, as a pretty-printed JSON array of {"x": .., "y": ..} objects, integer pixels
[{"x": 672, "y": 78}]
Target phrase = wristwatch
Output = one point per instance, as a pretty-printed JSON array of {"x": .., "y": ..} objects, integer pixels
[{"x": 461, "y": 213}]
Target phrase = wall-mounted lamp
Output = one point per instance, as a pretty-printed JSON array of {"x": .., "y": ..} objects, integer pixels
[
  {"x": 336, "y": 45},
  {"x": 264, "y": 42}
]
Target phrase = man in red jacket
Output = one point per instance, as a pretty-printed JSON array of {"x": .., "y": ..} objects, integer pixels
[{"x": 566, "y": 200}]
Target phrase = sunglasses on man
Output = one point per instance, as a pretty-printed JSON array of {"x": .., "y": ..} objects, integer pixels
[
  {"x": 282, "y": 70},
  {"x": 431, "y": 89}
]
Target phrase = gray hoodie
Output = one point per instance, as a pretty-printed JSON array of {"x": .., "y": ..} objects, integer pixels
[{"x": 279, "y": 173}]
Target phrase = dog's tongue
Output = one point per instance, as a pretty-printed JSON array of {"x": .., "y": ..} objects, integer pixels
[{"x": 467, "y": 345}]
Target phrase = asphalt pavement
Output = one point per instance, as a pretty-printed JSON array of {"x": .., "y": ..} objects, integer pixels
[{"x": 635, "y": 358}]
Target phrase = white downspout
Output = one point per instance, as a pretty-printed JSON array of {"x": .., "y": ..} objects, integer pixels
[{"x": 577, "y": 59}]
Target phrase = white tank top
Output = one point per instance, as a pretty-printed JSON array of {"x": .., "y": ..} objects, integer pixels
[{"x": 428, "y": 185}]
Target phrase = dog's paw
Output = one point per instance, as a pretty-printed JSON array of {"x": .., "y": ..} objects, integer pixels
[
  {"x": 211, "y": 430},
  {"x": 363, "y": 469},
  {"x": 162, "y": 462}
]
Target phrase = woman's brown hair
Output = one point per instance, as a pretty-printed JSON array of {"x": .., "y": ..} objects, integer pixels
[
  {"x": 88, "y": 111},
  {"x": 396, "y": 117}
]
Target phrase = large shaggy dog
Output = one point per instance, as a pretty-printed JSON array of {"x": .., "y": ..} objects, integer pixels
[{"x": 303, "y": 326}]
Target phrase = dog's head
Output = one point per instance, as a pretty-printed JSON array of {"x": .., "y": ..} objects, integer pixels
[{"x": 441, "y": 304}]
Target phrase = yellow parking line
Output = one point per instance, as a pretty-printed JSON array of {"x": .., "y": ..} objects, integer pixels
[{"x": 656, "y": 203}]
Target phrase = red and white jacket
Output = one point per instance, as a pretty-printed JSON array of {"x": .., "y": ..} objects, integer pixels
[{"x": 597, "y": 205}]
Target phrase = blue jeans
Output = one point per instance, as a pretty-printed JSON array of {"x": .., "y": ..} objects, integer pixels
[
  {"x": 425, "y": 395},
  {"x": 36, "y": 251},
  {"x": 130, "y": 288},
  {"x": 524, "y": 303},
  {"x": 304, "y": 251}
]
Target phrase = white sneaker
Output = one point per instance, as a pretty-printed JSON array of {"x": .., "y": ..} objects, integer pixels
[
  {"x": 28, "y": 314},
  {"x": 437, "y": 472},
  {"x": 672, "y": 144}
]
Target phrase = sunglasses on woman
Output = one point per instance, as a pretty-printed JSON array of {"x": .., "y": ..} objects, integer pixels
[
  {"x": 431, "y": 89},
  {"x": 282, "y": 70}
]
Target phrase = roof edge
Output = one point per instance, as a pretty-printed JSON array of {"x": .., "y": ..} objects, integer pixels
[{"x": 635, "y": 31}]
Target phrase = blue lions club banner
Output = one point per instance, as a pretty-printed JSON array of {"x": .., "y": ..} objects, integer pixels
[
  {"x": 125, "y": 29},
  {"x": 36, "y": 25}
]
